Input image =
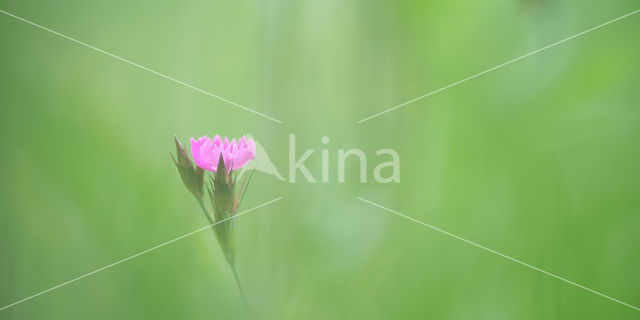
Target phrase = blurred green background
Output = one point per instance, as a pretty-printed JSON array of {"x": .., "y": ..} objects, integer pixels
[{"x": 538, "y": 160}]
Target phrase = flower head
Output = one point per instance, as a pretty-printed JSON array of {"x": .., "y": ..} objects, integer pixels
[{"x": 206, "y": 152}]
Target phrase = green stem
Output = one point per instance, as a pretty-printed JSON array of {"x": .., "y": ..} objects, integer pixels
[
  {"x": 232, "y": 265},
  {"x": 235, "y": 275},
  {"x": 206, "y": 212}
]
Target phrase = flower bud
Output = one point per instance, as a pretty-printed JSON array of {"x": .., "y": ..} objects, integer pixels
[{"x": 192, "y": 175}]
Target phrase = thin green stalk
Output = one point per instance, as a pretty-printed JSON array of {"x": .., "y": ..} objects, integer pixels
[
  {"x": 233, "y": 267},
  {"x": 235, "y": 275},
  {"x": 206, "y": 211}
]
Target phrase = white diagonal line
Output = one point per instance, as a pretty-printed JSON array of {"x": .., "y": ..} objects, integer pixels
[
  {"x": 496, "y": 67},
  {"x": 137, "y": 254},
  {"x": 497, "y": 253},
  {"x": 143, "y": 67}
]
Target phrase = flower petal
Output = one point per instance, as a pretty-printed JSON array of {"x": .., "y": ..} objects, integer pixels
[{"x": 201, "y": 150}]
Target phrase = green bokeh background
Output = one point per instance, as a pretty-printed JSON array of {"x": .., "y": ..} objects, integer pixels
[{"x": 538, "y": 160}]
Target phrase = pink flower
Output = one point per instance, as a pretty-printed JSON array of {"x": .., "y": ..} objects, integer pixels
[{"x": 206, "y": 152}]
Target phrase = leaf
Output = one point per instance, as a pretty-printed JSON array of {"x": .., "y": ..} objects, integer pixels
[{"x": 242, "y": 190}]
